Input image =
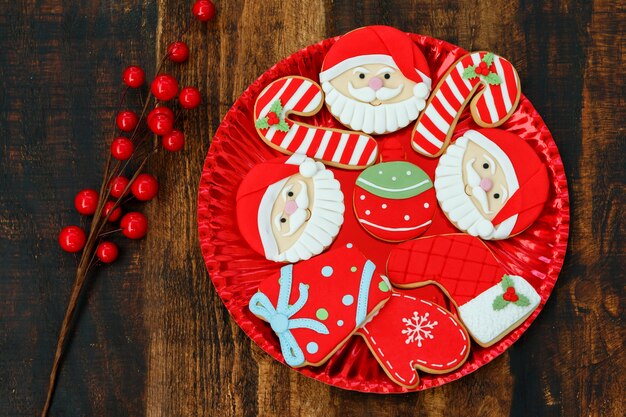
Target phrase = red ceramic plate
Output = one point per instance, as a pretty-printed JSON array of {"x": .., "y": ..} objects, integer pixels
[{"x": 537, "y": 254}]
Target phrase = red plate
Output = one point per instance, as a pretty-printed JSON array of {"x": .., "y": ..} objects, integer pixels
[{"x": 537, "y": 254}]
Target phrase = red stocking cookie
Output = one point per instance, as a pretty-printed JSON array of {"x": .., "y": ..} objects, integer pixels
[
  {"x": 489, "y": 81},
  {"x": 409, "y": 334},
  {"x": 303, "y": 97},
  {"x": 314, "y": 306},
  {"x": 490, "y": 302}
]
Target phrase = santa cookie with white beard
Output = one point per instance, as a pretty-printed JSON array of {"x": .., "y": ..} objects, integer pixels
[
  {"x": 290, "y": 208},
  {"x": 490, "y": 183},
  {"x": 376, "y": 80}
]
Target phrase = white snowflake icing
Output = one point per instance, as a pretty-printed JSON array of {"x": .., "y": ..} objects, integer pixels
[{"x": 418, "y": 328}]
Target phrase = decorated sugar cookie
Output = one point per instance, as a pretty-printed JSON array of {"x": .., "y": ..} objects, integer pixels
[
  {"x": 394, "y": 201},
  {"x": 409, "y": 334},
  {"x": 290, "y": 208},
  {"x": 314, "y": 306},
  {"x": 376, "y": 79},
  {"x": 490, "y": 302},
  {"x": 303, "y": 97},
  {"x": 490, "y": 183},
  {"x": 487, "y": 81}
]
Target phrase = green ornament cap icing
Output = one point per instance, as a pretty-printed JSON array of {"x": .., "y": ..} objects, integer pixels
[{"x": 396, "y": 180}]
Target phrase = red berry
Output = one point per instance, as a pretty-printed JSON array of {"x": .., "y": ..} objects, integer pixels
[
  {"x": 134, "y": 225},
  {"x": 115, "y": 216},
  {"x": 107, "y": 252},
  {"x": 86, "y": 201},
  {"x": 204, "y": 10},
  {"x": 164, "y": 87},
  {"x": 189, "y": 97},
  {"x": 178, "y": 52},
  {"x": 122, "y": 148},
  {"x": 126, "y": 120},
  {"x": 117, "y": 186},
  {"x": 133, "y": 76},
  {"x": 483, "y": 64},
  {"x": 72, "y": 239},
  {"x": 510, "y": 290},
  {"x": 478, "y": 70},
  {"x": 272, "y": 118},
  {"x": 160, "y": 124},
  {"x": 514, "y": 298},
  {"x": 173, "y": 141},
  {"x": 166, "y": 111},
  {"x": 145, "y": 187}
]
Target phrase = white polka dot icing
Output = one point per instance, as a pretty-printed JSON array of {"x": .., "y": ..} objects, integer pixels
[
  {"x": 312, "y": 347},
  {"x": 426, "y": 205},
  {"x": 384, "y": 206},
  {"x": 368, "y": 212},
  {"x": 327, "y": 271},
  {"x": 339, "y": 323},
  {"x": 407, "y": 217},
  {"x": 347, "y": 300},
  {"x": 349, "y": 245},
  {"x": 362, "y": 197}
]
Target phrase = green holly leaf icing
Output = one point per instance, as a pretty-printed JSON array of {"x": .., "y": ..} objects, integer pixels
[
  {"x": 282, "y": 126},
  {"x": 276, "y": 107},
  {"x": 469, "y": 72},
  {"x": 507, "y": 282},
  {"x": 488, "y": 59},
  {"x": 499, "y": 303},
  {"x": 394, "y": 180},
  {"x": 522, "y": 301},
  {"x": 493, "y": 79},
  {"x": 262, "y": 123}
]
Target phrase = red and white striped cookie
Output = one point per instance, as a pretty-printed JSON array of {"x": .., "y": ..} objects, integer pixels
[
  {"x": 303, "y": 97},
  {"x": 489, "y": 81}
]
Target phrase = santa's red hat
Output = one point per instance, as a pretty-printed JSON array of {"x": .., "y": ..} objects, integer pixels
[
  {"x": 258, "y": 192},
  {"x": 378, "y": 45},
  {"x": 525, "y": 175}
]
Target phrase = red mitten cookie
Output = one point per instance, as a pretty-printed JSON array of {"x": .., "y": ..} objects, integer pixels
[
  {"x": 409, "y": 334},
  {"x": 314, "y": 306},
  {"x": 490, "y": 302}
]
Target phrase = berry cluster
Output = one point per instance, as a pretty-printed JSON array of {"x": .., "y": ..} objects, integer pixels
[{"x": 482, "y": 68}]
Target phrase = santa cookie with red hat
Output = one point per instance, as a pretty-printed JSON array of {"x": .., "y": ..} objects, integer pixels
[
  {"x": 290, "y": 208},
  {"x": 490, "y": 183},
  {"x": 376, "y": 79}
]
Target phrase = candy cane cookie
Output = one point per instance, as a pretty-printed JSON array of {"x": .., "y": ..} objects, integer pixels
[
  {"x": 487, "y": 81},
  {"x": 303, "y": 97}
]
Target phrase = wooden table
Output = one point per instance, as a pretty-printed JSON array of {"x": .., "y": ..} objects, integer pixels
[{"x": 153, "y": 337}]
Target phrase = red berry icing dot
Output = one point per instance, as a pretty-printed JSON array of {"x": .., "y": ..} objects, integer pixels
[
  {"x": 72, "y": 239},
  {"x": 164, "y": 87},
  {"x": 189, "y": 97},
  {"x": 204, "y": 10},
  {"x": 173, "y": 141},
  {"x": 178, "y": 52},
  {"x": 133, "y": 76},
  {"x": 107, "y": 252},
  {"x": 272, "y": 118},
  {"x": 122, "y": 148},
  {"x": 126, "y": 120},
  {"x": 134, "y": 225},
  {"x": 117, "y": 186},
  {"x": 145, "y": 187},
  {"x": 86, "y": 201},
  {"x": 115, "y": 215}
]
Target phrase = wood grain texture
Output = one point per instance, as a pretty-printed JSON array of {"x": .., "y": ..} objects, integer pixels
[{"x": 154, "y": 338}]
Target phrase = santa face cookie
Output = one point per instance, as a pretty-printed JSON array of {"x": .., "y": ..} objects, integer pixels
[
  {"x": 490, "y": 183},
  {"x": 490, "y": 302},
  {"x": 314, "y": 306},
  {"x": 376, "y": 80},
  {"x": 394, "y": 201},
  {"x": 290, "y": 209}
]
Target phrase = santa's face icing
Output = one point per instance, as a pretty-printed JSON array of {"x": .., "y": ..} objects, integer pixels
[
  {"x": 374, "y": 98},
  {"x": 292, "y": 210}
]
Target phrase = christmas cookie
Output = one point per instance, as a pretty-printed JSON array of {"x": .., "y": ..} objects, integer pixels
[
  {"x": 376, "y": 79},
  {"x": 409, "y": 334},
  {"x": 303, "y": 97},
  {"x": 490, "y": 302},
  {"x": 394, "y": 201},
  {"x": 290, "y": 208},
  {"x": 314, "y": 306},
  {"x": 490, "y": 183},
  {"x": 489, "y": 81}
]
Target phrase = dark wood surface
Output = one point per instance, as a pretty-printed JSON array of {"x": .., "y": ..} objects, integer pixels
[{"x": 153, "y": 338}]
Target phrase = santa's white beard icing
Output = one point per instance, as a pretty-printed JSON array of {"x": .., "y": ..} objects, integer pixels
[{"x": 367, "y": 118}]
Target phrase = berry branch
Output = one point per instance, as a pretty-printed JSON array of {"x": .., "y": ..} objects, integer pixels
[{"x": 127, "y": 151}]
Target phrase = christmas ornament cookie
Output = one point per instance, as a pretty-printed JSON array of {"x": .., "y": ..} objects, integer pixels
[
  {"x": 491, "y": 85},
  {"x": 303, "y": 97},
  {"x": 314, "y": 306},
  {"x": 376, "y": 79},
  {"x": 394, "y": 201},
  {"x": 290, "y": 208},
  {"x": 490, "y": 183},
  {"x": 490, "y": 302}
]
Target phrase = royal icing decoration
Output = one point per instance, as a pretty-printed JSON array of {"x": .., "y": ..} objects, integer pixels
[
  {"x": 467, "y": 271},
  {"x": 290, "y": 208},
  {"x": 409, "y": 333},
  {"x": 490, "y": 183},
  {"x": 394, "y": 201},
  {"x": 303, "y": 97},
  {"x": 314, "y": 306},
  {"x": 489, "y": 81}
]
